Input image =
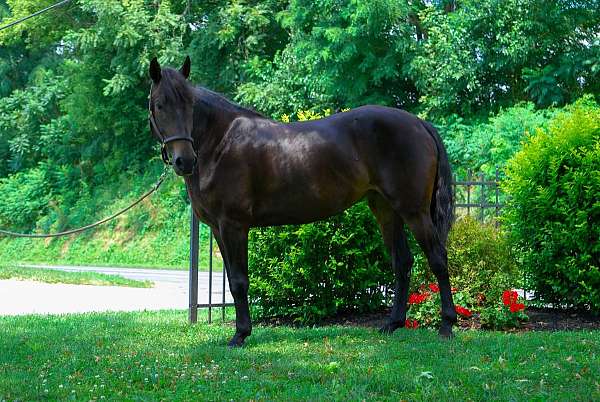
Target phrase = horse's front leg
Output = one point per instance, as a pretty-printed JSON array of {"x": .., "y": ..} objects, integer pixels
[{"x": 233, "y": 241}]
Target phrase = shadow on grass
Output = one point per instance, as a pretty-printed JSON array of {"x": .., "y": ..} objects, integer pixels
[{"x": 157, "y": 355}]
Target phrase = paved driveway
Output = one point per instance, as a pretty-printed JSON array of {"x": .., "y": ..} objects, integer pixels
[{"x": 170, "y": 291}]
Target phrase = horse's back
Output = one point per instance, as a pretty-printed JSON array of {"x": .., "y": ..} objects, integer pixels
[{"x": 300, "y": 172}]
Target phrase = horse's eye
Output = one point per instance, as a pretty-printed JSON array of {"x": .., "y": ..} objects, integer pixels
[{"x": 158, "y": 106}]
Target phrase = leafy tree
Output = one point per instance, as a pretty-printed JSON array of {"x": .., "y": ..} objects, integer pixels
[
  {"x": 228, "y": 37},
  {"x": 488, "y": 54},
  {"x": 340, "y": 54}
]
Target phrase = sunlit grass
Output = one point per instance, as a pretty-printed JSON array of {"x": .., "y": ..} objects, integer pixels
[
  {"x": 157, "y": 355},
  {"x": 77, "y": 278}
]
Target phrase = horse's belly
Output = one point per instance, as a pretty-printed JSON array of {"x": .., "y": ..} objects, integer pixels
[{"x": 307, "y": 202}]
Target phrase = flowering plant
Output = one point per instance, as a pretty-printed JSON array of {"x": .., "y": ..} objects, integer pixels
[
  {"x": 425, "y": 306},
  {"x": 507, "y": 313}
]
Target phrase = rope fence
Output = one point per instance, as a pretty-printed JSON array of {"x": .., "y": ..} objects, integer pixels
[{"x": 34, "y": 14}]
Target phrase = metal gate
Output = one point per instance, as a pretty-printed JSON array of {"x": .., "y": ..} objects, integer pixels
[{"x": 222, "y": 303}]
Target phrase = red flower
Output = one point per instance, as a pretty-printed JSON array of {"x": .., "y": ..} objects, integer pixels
[
  {"x": 516, "y": 307},
  {"x": 463, "y": 311},
  {"x": 434, "y": 287},
  {"x": 411, "y": 323},
  {"x": 416, "y": 298},
  {"x": 509, "y": 297},
  {"x": 454, "y": 290}
]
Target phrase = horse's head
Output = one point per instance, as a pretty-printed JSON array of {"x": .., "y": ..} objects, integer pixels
[{"x": 171, "y": 115}]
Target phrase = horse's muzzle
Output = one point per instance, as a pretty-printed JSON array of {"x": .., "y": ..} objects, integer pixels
[{"x": 184, "y": 166}]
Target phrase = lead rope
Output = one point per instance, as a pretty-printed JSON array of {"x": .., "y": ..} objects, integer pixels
[{"x": 93, "y": 225}]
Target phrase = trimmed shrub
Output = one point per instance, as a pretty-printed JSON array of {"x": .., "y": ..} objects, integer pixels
[
  {"x": 553, "y": 211},
  {"x": 481, "y": 262},
  {"x": 316, "y": 270}
]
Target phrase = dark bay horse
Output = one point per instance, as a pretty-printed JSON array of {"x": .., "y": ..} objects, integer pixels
[{"x": 242, "y": 170}]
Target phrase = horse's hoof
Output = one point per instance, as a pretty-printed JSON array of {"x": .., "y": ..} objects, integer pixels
[
  {"x": 446, "y": 332},
  {"x": 388, "y": 328},
  {"x": 236, "y": 342}
]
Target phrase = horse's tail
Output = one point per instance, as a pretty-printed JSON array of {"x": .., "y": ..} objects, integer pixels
[{"x": 442, "y": 203}]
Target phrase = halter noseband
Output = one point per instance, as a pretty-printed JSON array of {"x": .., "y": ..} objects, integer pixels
[{"x": 164, "y": 140}]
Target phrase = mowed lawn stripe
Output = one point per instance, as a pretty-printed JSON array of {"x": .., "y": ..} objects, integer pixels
[
  {"x": 157, "y": 355},
  {"x": 75, "y": 278}
]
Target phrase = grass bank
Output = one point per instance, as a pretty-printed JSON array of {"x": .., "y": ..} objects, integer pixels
[
  {"x": 155, "y": 234},
  {"x": 156, "y": 355},
  {"x": 76, "y": 278}
]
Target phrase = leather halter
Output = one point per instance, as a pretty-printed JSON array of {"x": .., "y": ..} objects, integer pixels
[{"x": 164, "y": 140}]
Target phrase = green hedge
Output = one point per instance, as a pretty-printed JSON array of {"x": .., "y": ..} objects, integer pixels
[
  {"x": 553, "y": 212},
  {"x": 481, "y": 261},
  {"x": 316, "y": 270}
]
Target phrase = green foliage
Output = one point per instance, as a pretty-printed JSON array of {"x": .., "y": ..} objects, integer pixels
[
  {"x": 154, "y": 234},
  {"x": 481, "y": 262},
  {"x": 484, "y": 145},
  {"x": 24, "y": 200},
  {"x": 482, "y": 266},
  {"x": 23, "y": 115},
  {"x": 230, "y": 37},
  {"x": 487, "y": 54},
  {"x": 329, "y": 42},
  {"x": 316, "y": 270},
  {"x": 553, "y": 212}
]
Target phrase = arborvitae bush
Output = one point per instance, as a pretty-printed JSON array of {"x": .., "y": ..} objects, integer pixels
[{"x": 553, "y": 211}]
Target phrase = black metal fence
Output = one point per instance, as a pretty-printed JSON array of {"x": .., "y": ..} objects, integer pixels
[
  {"x": 222, "y": 300},
  {"x": 476, "y": 195}
]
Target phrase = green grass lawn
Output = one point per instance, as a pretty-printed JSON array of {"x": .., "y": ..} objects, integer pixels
[
  {"x": 77, "y": 278},
  {"x": 157, "y": 355}
]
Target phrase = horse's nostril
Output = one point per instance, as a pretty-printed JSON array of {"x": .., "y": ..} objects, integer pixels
[{"x": 179, "y": 162}]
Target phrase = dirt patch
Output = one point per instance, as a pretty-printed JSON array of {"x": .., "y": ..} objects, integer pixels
[{"x": 540, "y": 319}]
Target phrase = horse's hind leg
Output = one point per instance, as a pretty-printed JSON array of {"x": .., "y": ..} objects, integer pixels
[
  {"x": 394, "y": 237},
  {"x": 424, "y": 231}
]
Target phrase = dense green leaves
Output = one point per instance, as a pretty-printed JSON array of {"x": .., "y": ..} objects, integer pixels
[
  {"x": 339, "y": 54},
  {"x": 484, "y": 144},
  {"x": 317, "y": 270},
  {"x": 554, "y": 210},
  {"x": 488, "y": 54}
]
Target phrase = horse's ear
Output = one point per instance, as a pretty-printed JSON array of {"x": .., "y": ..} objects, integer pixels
[
  {"x": 154, "y": 70},
  {"x": 185, "y": 69}
]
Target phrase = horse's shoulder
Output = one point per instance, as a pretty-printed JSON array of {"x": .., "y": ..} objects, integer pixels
[{"x": 241, "y": 123}]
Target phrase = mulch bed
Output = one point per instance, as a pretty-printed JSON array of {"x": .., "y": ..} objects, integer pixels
[
  {"x": 540, "y": 319},
  {"x": 545, "y": 319}
]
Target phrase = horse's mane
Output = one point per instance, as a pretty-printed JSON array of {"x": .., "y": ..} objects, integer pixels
[
  {"x": 217, "y": 100},
  {"x": 175, "y": 86}
]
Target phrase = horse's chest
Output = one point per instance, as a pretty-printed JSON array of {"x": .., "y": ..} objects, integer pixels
[{"x": 215, "y": 198}]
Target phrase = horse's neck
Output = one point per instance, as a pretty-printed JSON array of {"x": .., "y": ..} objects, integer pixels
[{"x": 213, "y": 118}]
